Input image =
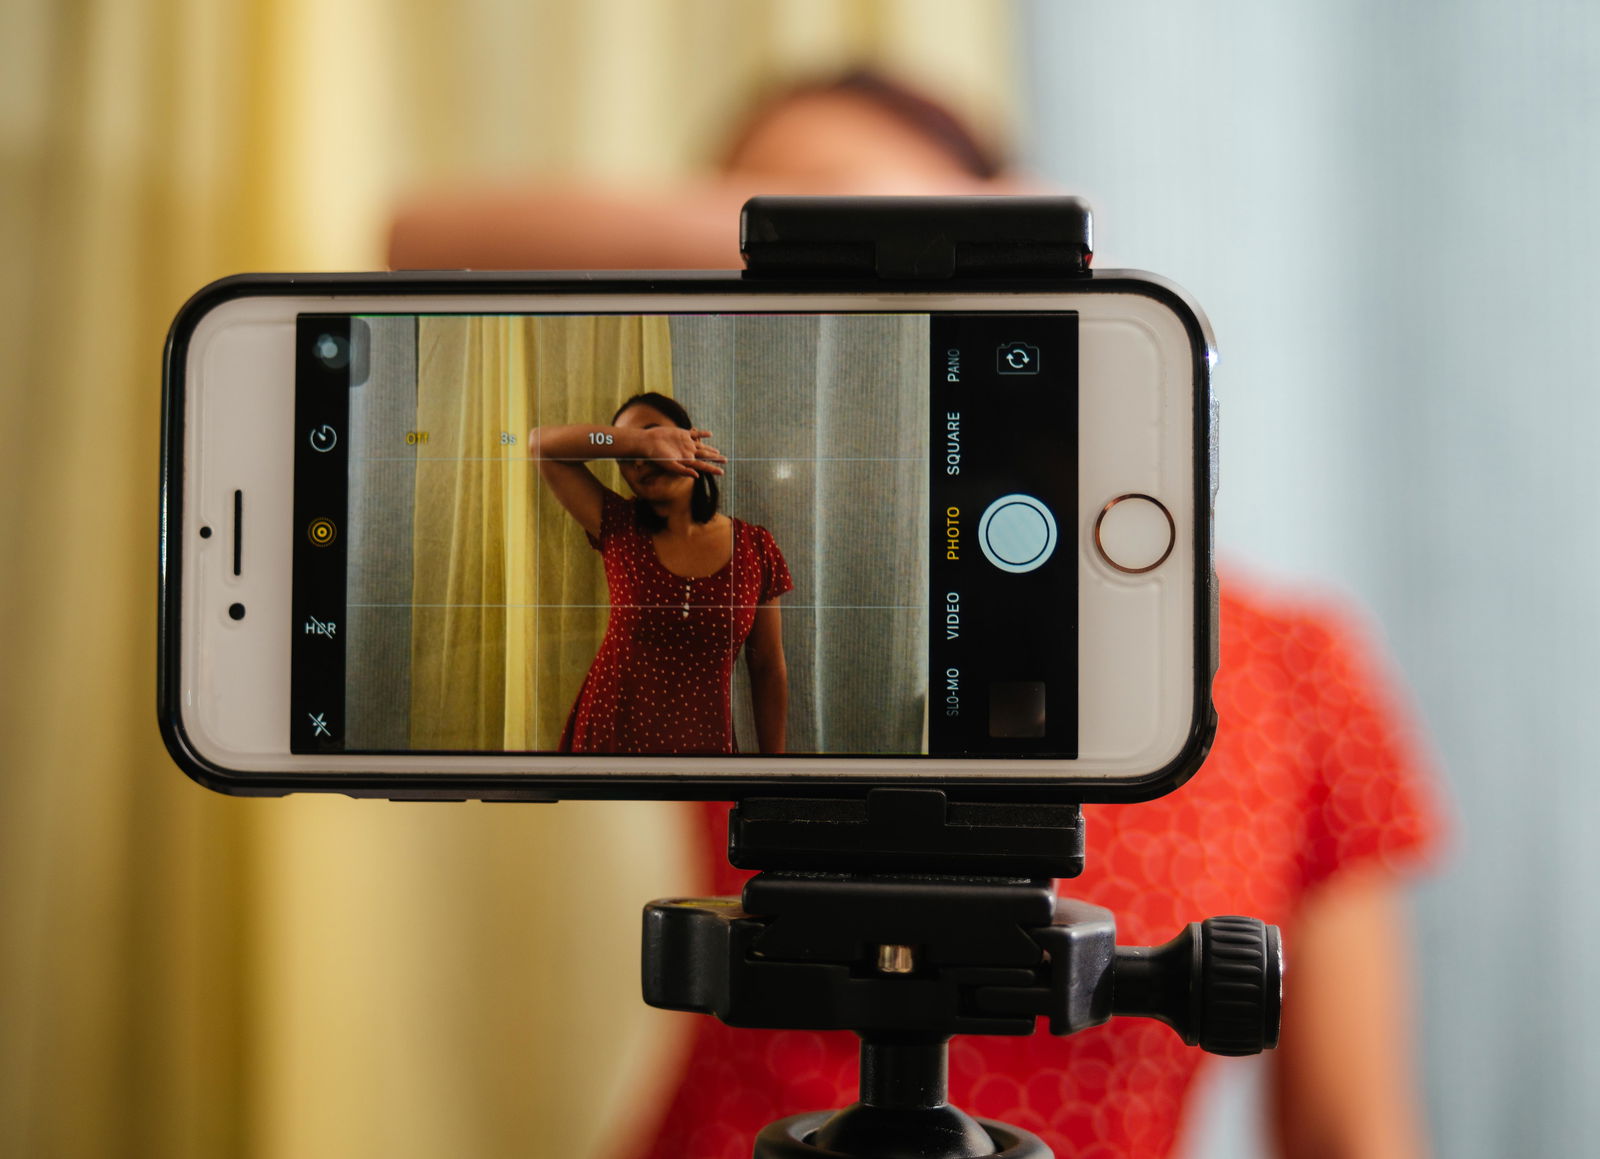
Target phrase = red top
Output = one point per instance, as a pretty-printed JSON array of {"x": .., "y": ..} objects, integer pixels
[
  {"x": 1313, "y": 773},
  {"x": 660, "y": 682}
]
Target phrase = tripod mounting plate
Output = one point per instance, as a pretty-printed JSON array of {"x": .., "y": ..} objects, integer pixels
[{"x": 984, "y": 955}]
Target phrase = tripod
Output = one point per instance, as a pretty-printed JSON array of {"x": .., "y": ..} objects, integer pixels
[
  {"x": 909, "y": 918},
  {"x": 909, "y": 915}
]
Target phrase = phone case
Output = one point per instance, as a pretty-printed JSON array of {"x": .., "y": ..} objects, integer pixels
[{"x": 541, "y": 788}]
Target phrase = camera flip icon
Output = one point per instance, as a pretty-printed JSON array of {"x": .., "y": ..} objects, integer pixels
[{"x": 1017, "y": 358}]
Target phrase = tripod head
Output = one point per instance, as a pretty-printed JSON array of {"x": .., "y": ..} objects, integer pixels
[{"x": 909, "y": 918}]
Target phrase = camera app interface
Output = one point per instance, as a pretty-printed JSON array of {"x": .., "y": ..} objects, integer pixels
[{"x": 708, "y": 534}]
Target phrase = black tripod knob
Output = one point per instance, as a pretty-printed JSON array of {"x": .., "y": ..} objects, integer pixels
[{"x": 1219, "y": 984}]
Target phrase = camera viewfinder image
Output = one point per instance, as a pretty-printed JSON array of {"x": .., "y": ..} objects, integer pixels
[{"x": 646, "y": 534}]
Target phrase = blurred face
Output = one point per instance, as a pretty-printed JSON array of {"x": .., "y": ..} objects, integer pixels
[
  {"x": 646, "y": 479},
  {"x": 840, "y": 136}
]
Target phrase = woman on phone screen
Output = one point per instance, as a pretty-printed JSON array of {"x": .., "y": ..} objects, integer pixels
[{"x": 689, "y": 587}]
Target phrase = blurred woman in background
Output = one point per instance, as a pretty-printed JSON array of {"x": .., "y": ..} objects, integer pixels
[{"x": 1312, "y": 806}]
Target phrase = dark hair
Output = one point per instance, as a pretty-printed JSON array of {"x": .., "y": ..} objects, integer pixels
[
  {"x": 703, "y": 500},
  {"x": 932, "y": 119}
]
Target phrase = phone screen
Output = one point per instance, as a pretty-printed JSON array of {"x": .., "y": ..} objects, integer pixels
[{"x": 887, "y": 566}]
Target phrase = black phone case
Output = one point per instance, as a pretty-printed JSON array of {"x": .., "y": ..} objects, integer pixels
[{"x": 536, "y": 787}]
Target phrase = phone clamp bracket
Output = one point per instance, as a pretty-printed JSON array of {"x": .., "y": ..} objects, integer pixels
[
  {"x": 906, "y": 831},
  {"x": 916, "y": 238}
]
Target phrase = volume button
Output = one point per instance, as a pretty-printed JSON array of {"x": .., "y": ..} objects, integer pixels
[{"x": 1216, "y": 626}]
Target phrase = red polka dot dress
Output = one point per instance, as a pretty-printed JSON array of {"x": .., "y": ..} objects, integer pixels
[
  {"x": 661, "y": 681},
  {"x": 1312, "y": 774}
]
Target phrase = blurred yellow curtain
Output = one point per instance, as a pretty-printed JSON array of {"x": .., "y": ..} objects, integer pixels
[
  {"x": 189, "y": 976},
  {"x": 511, "y": 600}
]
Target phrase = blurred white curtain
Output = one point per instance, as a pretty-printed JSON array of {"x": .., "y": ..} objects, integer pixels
[
  {"x": 1390, "y": 213},
  {"x": 184, "y": 975}
]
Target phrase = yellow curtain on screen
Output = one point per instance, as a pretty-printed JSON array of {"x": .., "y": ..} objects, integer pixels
[
  {"x": 469, "y": 492},
  {"x": 190, "y": 976},
  {"x": 511, "y": 599}
]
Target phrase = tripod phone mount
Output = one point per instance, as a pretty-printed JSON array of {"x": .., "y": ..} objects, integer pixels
[{"x": 910, "y": 915}]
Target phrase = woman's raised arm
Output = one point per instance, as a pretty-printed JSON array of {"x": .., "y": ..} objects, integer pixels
[{"x": 562, "y": 452}]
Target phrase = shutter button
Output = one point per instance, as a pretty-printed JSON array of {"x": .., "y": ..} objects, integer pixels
[{"x": 1017, "y": 533}]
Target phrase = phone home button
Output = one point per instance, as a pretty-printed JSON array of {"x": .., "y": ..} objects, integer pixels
[{"x": 1135, "y": 533}]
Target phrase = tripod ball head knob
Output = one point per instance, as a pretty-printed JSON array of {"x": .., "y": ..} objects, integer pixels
[{"x": 1219, "y": 984}]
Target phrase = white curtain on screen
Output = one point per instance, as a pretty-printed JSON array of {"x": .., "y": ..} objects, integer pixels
[{"x": 825, "y": 423}]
